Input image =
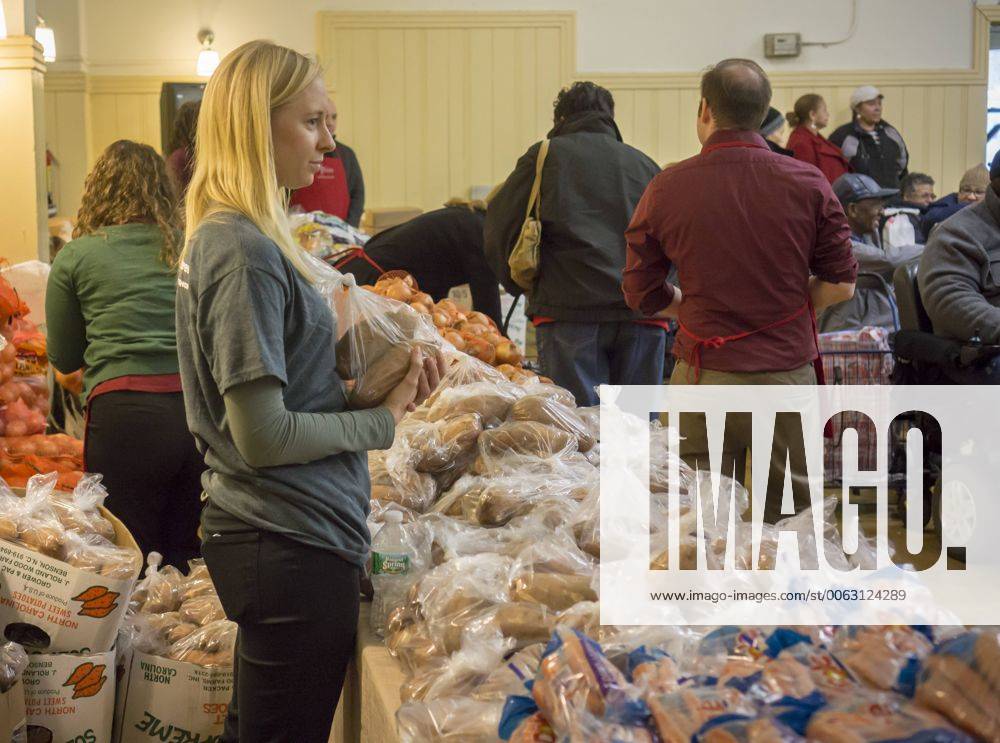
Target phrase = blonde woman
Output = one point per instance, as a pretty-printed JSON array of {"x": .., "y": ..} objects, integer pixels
[
  {"x": 287, "y": 483},
  {"x": 110, "y": 309}
]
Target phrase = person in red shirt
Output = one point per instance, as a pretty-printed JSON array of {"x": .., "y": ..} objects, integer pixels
[
  {"x": 339, "y": 187},
  {"x": 807, "y": 144},
  {"x": 180, "y": 161},
  {"x": 759, "y": 242}
]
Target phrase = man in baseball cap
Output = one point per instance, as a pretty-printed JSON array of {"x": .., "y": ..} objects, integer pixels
[
  {"x": 871, "y": 145},
  {"x": 872, "y": 304}
]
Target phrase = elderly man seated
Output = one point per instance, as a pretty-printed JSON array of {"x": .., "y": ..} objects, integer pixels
[
  {"x": 871, "y": 305},
  {"x": 959, "y": 279}
]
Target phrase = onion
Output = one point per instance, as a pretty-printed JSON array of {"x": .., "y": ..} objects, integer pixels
[
  {"x": 8, "y": 393},
  {"x": 441, "y": 319},
  {"x": 399, "y": 291},
  {"x": 49, "y": 449},
  {"x": 17, "y": 428},
  {"x": 481, "y": 319},
  {"x": 36, "y": 422},
  {"x": 423, "y": 298},
  {"x": 455, "y": 339},
  {"x": 472, "y": 328},
  {"x": 420, "y": 307},
  {"x": 508, "y": 353},
  {"x": 480, "y": 349},
  {"x": 446, "y": 305}
]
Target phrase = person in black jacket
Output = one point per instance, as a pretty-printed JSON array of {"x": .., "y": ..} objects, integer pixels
[
  {"x": 440, "y": 249},
  {"x": 591, "y": 183},
  {"x": 871, "y": 145}
]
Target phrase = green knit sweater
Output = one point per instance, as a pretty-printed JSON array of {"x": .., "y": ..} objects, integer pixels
[{"x": 109, "y": 306}]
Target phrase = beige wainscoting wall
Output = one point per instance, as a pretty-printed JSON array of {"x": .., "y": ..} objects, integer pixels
[
  {"x": 942, "y": 118},
  {"x": 86, "y": 113},
  {"x": 436, "y": 102}
]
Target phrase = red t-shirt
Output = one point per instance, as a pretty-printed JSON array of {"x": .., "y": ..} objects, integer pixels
[
  {"x": 328, "y": 191},
  {"x": 745, "y": 228}
]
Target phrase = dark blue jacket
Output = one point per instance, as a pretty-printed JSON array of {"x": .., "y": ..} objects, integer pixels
[{"x": 939, "y": 211}]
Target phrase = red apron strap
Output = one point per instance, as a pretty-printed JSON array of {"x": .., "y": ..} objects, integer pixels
[
  {"x": 360, "y": 254},
  {"x": 731, "y": 146},
  {"x": 718, "y": 341},
  {"x": 818, "y": 363}
]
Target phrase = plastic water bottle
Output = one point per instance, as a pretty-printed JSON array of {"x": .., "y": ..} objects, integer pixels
[{"x": 392, "y": 564}]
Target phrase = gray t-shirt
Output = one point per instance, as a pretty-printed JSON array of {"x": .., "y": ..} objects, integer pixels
[{"x": 243, "y": 313}]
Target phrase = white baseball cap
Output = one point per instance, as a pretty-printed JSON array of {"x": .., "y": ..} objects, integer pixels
[{"x": 864, "y": 93}]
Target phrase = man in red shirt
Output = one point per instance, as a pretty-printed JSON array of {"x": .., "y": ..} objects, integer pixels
[{"x": 759, "y": 242}]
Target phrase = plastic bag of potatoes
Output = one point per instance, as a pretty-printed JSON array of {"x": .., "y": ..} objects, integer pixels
[
  {"x": 449, "y": 719},
  {"x": 13, "y": 661},
  {"x": 378, "y": 336},
  {"x": 67, "y": 528},
  {"x": 180, "y": 617}
]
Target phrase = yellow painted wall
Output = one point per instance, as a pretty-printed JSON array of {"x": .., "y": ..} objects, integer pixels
[
  {"x": 436, "y": 102},
  {"x": 66, "y": 125},
  {"x": 84, "y": 114}
]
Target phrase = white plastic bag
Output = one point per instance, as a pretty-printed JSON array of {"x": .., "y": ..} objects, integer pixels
[{"x": 30, "y": 279}]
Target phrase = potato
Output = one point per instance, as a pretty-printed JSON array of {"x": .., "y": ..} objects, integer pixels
[
  {"x": 549, "y": 411},
  {"x": 525, "y": 437}
]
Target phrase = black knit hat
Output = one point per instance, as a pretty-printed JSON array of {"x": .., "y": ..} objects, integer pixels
[{"x": 772, "y": 122}]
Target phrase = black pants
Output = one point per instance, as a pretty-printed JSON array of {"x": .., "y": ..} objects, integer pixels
[
  {"x": 297, "y": 611},
  {"x": 141, "y": 444}
]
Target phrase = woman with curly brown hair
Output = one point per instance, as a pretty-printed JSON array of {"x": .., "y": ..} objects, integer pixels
[{"x": 110, "y": 310}]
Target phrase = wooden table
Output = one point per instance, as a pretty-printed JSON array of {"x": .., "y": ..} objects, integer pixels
[{"x": 368, "y": 704}]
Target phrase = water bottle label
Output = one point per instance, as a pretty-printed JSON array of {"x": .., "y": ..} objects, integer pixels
[{"x": 390, "y": 563}]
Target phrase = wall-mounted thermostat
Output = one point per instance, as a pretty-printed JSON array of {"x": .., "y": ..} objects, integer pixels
[{"x": 782, "y": 45}]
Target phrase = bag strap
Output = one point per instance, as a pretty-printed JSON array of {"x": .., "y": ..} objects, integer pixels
[{"x": 534, "y": 200}]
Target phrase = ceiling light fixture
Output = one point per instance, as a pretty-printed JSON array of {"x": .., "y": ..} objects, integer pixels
[
  {"x": 47, "y": 38},
  {"x": 208, "y": 58}
]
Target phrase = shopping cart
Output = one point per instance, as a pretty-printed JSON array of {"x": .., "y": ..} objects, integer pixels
[{"x": 852, "y": 357}]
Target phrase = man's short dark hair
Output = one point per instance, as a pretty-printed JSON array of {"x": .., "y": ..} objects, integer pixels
[
  {"x": 583, "y": 96},
  {"x": 913, "y": 181},
  {"x": 738, "y": 92}
]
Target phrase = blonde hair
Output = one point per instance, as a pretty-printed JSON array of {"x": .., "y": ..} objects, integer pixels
[
  {"x": 127, "y": 184},
  {"x": 234, "y": 155}
]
